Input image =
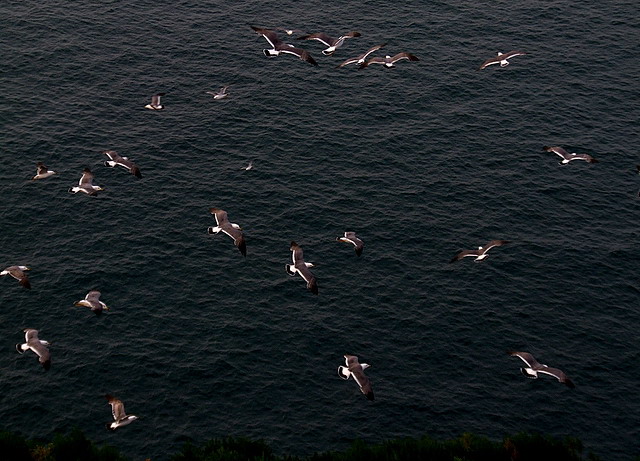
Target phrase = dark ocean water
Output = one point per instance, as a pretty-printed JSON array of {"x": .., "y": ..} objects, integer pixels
[{"x": 421, "y": 160}]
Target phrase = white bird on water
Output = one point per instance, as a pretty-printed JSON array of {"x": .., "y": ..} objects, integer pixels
[{"x": 221, "y": 94}]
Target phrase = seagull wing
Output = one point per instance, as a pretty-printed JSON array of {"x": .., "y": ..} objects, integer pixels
[
  {"x": 117, "y": 408},
  {"x": 558, "y": 374},
  {"x": 269, "y": 35},
  {"x": 86, "y": 179},
  {"x": 527, "y": 358},
  {"x": 30, "y": 334},
  {"x": 220, "y": 215},
  {"x": 93, "y": 296},
  {"x": 494, "y": 243},
  {"x": 321, "y": 37},
  {"x": 401, "y": 56},
  {"x": 155, "y": 99},
  {"x": 237, "y": 236},
  {"x": 464, "y": 254},
  {"x": 41, "y": 168},
  {"x": 299, "y": 52},
  {"x": 558, "y": 151}
]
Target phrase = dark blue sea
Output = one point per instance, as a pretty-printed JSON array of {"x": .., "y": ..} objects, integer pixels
[{"x": 420, "y": 160}]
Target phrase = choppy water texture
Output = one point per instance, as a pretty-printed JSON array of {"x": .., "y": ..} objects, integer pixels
[{"x": 420, "y": 160}]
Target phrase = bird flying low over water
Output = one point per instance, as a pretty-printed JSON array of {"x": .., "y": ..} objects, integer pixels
[
  {"x": 231, "y": 229},
  {"x": 92, "y": 301},
  {"x": 534, "y": 367},
  {"x": 119, "y": 415},
  {"x": 356, "y": 369},
  {"x": 155, "y": 102},
  {"x": 350, "y": 237},
  {"x": 17, "y": 272},
  {"x": 42, "y": 171},
  {"x": 302, "y": 268},
  {"x": 389, "y": 61},
  {"x": 480, "y": 253},
  {"x": 288, "y": 31},
  {"x": 221, "y": 94},
  {"x": 38, "y": 346},
  {"x": 501, "y": 59},
  {"x": 331, "y": 43},
  {"x": 278, "y": 46},
  {"x": 361, "y": 59},
  {"x": 568, "y": 157},
  {"x": 116, "y": 160},
  {"x": 86, "y": 184}
]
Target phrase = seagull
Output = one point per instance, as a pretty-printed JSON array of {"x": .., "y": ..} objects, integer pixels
[
  {"x": 288, "y": 31},
  {"x": 302, "y": 268},
  {"x": 119, "y": 416},
  {"x": 231, "y": 229},
  {"x": 350, "y": 237},
  {"x": 248, "y": 167},
  {"x": 155, "y": 102},
  {"x": 332, "y": 43},
  {"x": 480, "y": 253},
  {"x": 278, "y": 46},
  {"x": 42, "y": 172},
  {"x": 116, "y": 159},
  {"x": 356, "y": 370},
  {"x": 389, "y": 61},
  {"x": 17, "y": 272},
  {"x": 360, "y": 59},
  {"x": 221, "y": 94},
  {"x": 501, "y": 58},
  {"x": 92, "y": 301},
  {"x": 38, "y": 346},
  {"x": 568, "y": 157},
  {"x": 534, "y": 367},
  {"x": 86, "y": 184}
]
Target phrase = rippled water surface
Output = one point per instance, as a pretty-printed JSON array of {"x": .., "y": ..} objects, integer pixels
[{"x": 421, "y": 160}]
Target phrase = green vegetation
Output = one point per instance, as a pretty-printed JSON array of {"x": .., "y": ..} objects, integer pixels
[{"x": 467, "y": 447}]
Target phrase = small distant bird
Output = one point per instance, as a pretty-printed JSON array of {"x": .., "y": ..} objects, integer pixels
[
  {"x": 116, "y": 160},
  {"x": 119, "y": 415},
  {"x": 92, "y": 301},
  {"x": 248, "y": 167},
  {"x": 221, "y": 94},
  {"x": 42, "y": 172},
  {"x": 332, "y": 43},
  {"x": 501, "y": 59},
  {"x": 356, "y": 369},
  {"x": 389, "y": 61},
  {"x": 534, "y": 367},
  {"x": 302, "y": 268},
  {"x": 155, "y": 102},
  {"x": 38, "y": 346},
  {"x": 17, "y": 272},
  {"x": 362, "y": 58},
  {"x": 480, "y": 253},
  {"x": 278, "y": 46},
  {"x": 231, "y": 229},
  {"x": 568, "y": 157},
  {"x": 350, "y": 237},
  {"x": 288, "y": 31},
  {"x": 86, "y": 184}
]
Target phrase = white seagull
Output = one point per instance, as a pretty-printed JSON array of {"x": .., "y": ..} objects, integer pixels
[
  {"x": 119, "y": 415},
  {"x": 331, "y": 43},
  {"x": 92, "y": 301},
  {"x": 221, "y": 94},
  {"x": 501, "y": 59},
  {"x": 278, "y": 46},
  {"x": 480, "y": 253},
  {"x": 231, "y": 229},
  {"x": 350, "y": 237},
  {"x": 38, "y": 346},
  {"x": 155, "y": 102},
  {"x": 389, "y": 61},
  {"x": 248, "y": 167},
  {"x": 568, "y": 157},
  {"x": 362, "y": 58},
  {"x": 534, "y": 367},
  {"x": 302, "y": 268},
  {"x": 288, "y": 31},
  {"x": 356, "y": 369},
  {"x": 42, "y": 172},
  {"x": 86, "y": 184},
  {"x": 116, "y": 160},
  {"x": 17, "y": 272}
]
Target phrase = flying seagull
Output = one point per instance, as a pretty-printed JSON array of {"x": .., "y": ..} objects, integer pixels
[
  {"x": 119, "y": 416},
  {"x": 501, "y": 59},
  {"x": 221, "y": 94},
  {"x": 288, "y": 31},
  {"x": 480, "y": 253},
  {"x": 155, "y": 102},
  {"x": 248, "y": 167},
  {"x": 361, "y": 59},
  {"x": 92, "y": 301},
  {"x": 231, "y": 229},
  {"x": 17, "y": 272},
  {"x": 388, "y": 61},
  {"x": 86, "y": 184},
  {"x": 278, "y": 46},
  {"x": 42, "y": 172},
  {"x": 356, "y": 370},
  {"x": 568, "y": 157},
  {"x": 534, "y": 367},
  {"x": 116, "y": 159},
  {"x": 38, "y": 346},
  {"x": 332, "y": 43},
  {"x": 302, "y": 268},
  {"x": 350, "y": 237}
]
